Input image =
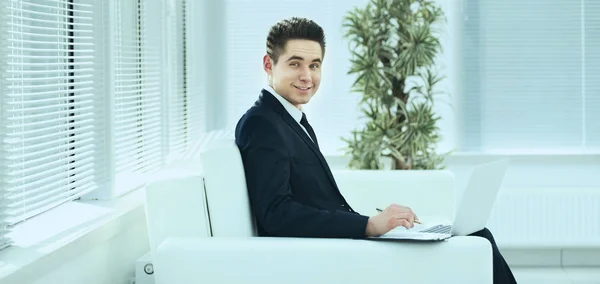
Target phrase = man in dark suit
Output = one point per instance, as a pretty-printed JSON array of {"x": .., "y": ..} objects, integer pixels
[{"x": 291, "y": 188}]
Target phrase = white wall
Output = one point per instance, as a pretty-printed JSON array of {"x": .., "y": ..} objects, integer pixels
[
  {"x": 111, "y": 262},
  {"x": 105, "y": 254}
]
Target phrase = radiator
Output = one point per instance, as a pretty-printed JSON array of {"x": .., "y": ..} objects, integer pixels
[{"x": 547, "y": 217}]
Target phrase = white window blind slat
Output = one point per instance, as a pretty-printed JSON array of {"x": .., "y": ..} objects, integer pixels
[
  {"x": 128, "y": 111},
  {"x": 133, "y": 80},
  {"x": 41, "y": 43},
  {"x": 45, "y": 109},
  {"x": 35, "y": 195},
  {"x": 137, "y": 169},
  {"x": 51, "y": 61},
  {"x": 49, "y": 114},
  {"x": 39, "y": 93},
  {"x": 18, "y": 131},
  {"x": 47, "y": 175},
  {"x": 32, "y": 165},
  {"x": 80, "y": 7},
  {"x": 144, "y": 74},
  {"x": 46, "y": 100},
  {"x": 43, "y": 79},
  {"x": 41, "y": 169},
  {"x": 137, "y": 92},
  {"x": 48, "y": 72},
  {"x": 133, "y": 92},
  {"x": 47, "y": 11},
  {"x": 131, "y": 135},
  {"x": 129, "y": 145},
  {"x": 132, "y": 148},
  {"x": 135, "y": 117},
  {"x": 134, "y": 101},
  {"x": 34, "y": 57},
  {"x": 43, "y": 137},
  {"x": 34, "y": 34},
  {"x": 47, "y": 183},
  {"x": 45, "y": 153},
  {"x": 148, "y": 125},
  {"x": 48, "y": 50},
  {"x": 34, "y": 154},
  {"x": 58, "y": 103},
  {"x": 33, "y": 19}
]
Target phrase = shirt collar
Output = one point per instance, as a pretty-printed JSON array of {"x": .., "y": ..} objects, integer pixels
[{"x": 289, "y": 107}]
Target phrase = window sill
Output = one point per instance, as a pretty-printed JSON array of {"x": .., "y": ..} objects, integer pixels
[
  {"x": 530, "y": 153},
  {"x": 42, "y": 243},
  {"x": 519, "y": 157}
]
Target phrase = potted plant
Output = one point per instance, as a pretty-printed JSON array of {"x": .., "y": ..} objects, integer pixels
[{"x": 394, "y": 45}]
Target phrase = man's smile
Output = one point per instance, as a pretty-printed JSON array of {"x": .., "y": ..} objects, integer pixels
[{"x": 303, "y": 88}]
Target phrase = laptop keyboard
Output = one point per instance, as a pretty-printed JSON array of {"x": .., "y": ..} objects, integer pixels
[{"x": 439, "y": 229}]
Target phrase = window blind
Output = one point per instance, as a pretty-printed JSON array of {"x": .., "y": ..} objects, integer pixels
[
  {"x": 137, "y": 83},
  {"x": 591, "y": 25},
  {"x": 530, "y": 76},
  {"x": 195, "y": 67},
  {"x": 178, "y": 97},
  {"x": 49, "y": 139}
]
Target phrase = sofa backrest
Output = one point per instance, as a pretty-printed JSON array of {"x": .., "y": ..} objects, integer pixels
[{"x": 226, "y": 192}]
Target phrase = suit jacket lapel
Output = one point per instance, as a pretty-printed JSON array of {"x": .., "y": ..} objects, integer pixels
[
  {"x": 276, "y": 105},
  {"x": 294, "y": 125}
]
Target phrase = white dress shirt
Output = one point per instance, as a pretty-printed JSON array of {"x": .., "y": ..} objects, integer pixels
[{"x": 289, "y": 107}]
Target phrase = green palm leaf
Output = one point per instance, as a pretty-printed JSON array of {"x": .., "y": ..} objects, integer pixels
[{"x": 393, "y": 46}]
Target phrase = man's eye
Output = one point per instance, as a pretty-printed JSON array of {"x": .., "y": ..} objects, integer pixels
[
  {"x": 294, "y": 64},
  {"x": 314, "y": 66}
]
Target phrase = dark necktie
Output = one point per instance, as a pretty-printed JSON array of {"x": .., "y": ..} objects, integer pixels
[{"x": 309, "y": 129}]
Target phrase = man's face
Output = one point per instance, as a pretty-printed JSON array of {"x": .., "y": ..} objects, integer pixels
[{"x": 297, "y": 74}]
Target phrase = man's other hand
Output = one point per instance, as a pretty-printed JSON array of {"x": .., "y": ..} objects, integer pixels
[{"x": 392, "y": 217}]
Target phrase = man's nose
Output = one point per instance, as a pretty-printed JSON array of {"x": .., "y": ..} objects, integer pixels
[{"x": 305, "y": 75}]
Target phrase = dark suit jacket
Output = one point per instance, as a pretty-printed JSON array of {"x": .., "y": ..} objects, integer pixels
[{"x": 292, "y": 191}]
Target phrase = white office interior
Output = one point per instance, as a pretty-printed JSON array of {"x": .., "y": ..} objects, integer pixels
[{"x": 118, "y": 163}]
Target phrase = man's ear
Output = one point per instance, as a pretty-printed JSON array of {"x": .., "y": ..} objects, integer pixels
[{"x": 268, "y": 64}]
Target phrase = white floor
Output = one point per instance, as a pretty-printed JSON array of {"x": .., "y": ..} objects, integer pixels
[{"x": 557, "y": 275}]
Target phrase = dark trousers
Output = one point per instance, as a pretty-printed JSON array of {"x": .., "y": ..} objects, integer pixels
[{"x": 502, "y": 273}]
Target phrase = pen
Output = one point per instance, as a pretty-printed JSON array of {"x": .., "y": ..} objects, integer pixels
[{"x": 379, "y": 210}]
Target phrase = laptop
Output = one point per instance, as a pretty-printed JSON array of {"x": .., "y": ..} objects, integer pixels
[{"x": 473, "y": 209}]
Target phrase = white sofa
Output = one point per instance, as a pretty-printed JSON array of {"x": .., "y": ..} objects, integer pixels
[{"x": 208, "y": 236}]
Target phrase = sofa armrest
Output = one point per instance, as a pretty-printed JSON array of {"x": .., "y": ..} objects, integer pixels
[
  {"x": 428, "y": 193},
  {"x": 295, "y": 260},
  {"x": 175, "y": 206}
]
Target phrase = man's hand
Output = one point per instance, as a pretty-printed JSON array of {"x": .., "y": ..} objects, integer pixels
[{"x": 392, "y": 217}]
